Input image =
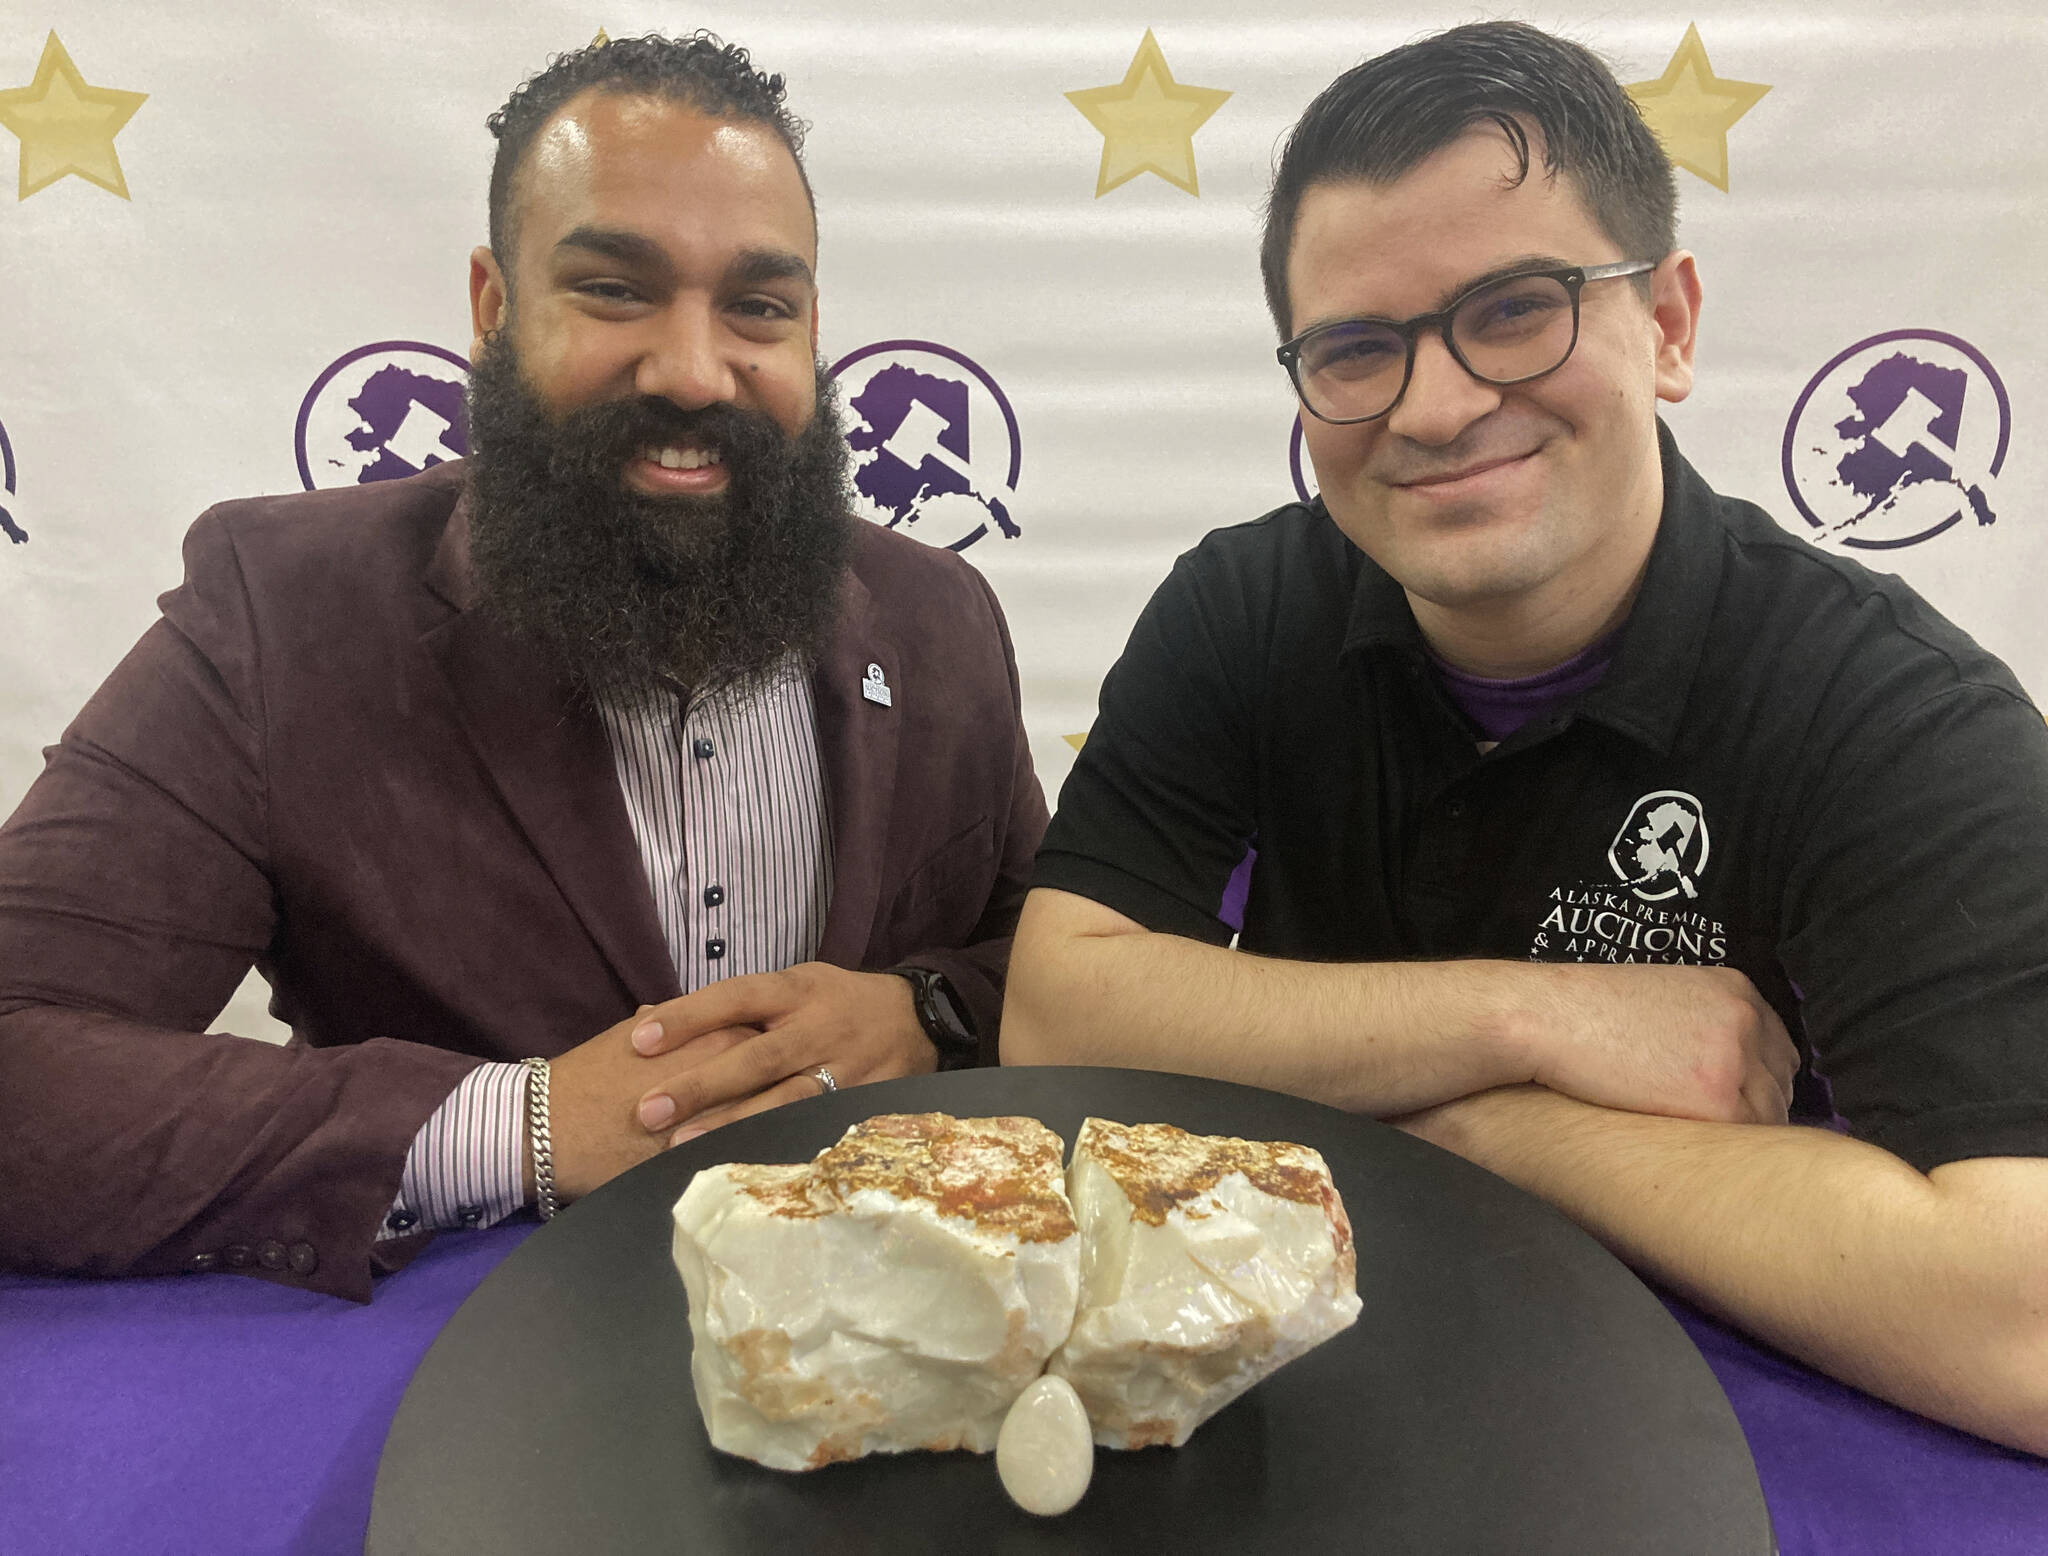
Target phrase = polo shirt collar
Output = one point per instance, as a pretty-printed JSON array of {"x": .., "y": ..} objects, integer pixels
[{"x": 1643, "y": 694}]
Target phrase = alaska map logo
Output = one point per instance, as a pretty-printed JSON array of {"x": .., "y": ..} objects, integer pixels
[
  {"x": 1897, "y": 439},
  {"x": 383, "y": 411},
  {"x": 936, "y": 451},
  {"x": 1658, "y": 857}
]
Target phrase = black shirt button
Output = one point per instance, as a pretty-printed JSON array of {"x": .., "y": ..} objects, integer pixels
[
  {"x": 238, "y": 1256},
  {"x": 470, "y": 1215},
  {"x": 303, "y": 1259},
  {"x": 401, "y": 1220},
  {"x": 714, "y": 949},
  {"x": 702, "y": 748},
  {"x": 1455, "y": 810},
  {"x": 202, "y": 1263},
  {"x": 713, "y": 896},
  {"x": 270, "y": 1254}
]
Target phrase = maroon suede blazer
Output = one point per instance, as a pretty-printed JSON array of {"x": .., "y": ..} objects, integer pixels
[{"x": 325, "y": 761}]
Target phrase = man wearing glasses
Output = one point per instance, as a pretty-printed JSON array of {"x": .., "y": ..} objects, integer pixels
[{"x": 1577, "y": 817}]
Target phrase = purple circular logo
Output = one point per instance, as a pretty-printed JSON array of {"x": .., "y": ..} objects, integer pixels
[
  {"x": 11, "y": 524},
  {"x": 1301, "y": 470},
  {"x": 386, "y": 410},
  {"x": 934, "y": 440},
  {"x": 1896, "y": 439}
]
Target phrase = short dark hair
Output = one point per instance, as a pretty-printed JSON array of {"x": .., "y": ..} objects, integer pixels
[
  {"x": 700, "y": 71},
  {"x": 1380, "y": 119}
]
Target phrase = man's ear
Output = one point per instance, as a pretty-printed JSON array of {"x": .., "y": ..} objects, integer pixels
[
  {"x": 488, "y": 297},
  {"x": 1675, "y": 322}
]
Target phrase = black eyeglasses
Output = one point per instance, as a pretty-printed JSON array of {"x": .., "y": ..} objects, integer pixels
[{"x": 1501, "y": 332}]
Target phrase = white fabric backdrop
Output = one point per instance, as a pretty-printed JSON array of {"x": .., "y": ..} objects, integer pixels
[{"x": 305, "y": 181}]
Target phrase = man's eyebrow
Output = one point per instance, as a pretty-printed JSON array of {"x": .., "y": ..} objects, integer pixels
[
  {"x": 758, "y": 265},
  {"x": 751, "y": 268},
  {"x": 628, "y": 248},
  {"x": 1519, "y": 265},
  {"x": 1500, "y": 272}
]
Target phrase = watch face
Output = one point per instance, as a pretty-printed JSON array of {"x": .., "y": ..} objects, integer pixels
[{"x": 939, "y": 1013}]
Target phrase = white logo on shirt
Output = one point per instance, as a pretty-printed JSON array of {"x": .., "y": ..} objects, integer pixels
[{"x": 1661, "y": 850}]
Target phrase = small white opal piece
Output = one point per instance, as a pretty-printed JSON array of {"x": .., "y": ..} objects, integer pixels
[{"x": 1045, "y": 1452}]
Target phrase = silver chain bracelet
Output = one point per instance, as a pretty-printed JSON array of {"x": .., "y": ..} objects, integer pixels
[{"x": 545, "y": 1202}]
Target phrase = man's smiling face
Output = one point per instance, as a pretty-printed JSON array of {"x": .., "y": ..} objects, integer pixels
[
  {"x": 660, "y": 253},
  {"x": 657, "y": 472},
  {"x": 1478, "y": 498}
]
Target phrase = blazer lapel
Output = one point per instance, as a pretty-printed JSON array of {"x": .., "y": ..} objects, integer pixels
[
  {"x": 857, "y": 745},
  {"x": 549, "y": 759}
]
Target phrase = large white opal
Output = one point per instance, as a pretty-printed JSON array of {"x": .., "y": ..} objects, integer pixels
[
  {"x": 897, "y": 1292},
  {"x": 1045, "y": 1453},
  {"x": 1207, "y": 1263}
]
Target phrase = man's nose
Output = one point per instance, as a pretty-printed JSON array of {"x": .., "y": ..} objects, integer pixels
[
  {"x": 1442, "y": 399},
  {"x": 687, "y": 362}
]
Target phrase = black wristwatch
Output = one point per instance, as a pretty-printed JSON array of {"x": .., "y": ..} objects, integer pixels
[{"x": 944, "y": 1020}]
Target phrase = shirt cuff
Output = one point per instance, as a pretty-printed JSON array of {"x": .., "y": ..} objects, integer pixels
[{"x": 467, "y": 1165}]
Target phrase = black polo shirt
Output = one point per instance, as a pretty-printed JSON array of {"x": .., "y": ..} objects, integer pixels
[{"x": 1793, "y": 767}]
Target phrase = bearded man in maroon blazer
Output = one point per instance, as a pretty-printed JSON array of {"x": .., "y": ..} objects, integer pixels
[{"x": 588, "y": 794}]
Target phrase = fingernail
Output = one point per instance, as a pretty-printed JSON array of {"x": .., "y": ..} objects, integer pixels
[
  {"x": 656, "y": 1111},
  {"x": 684, "y": 1134},
  {"x": 646, "y": 1035}
]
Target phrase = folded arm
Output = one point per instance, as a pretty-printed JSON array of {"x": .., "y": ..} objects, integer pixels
[
  {"x": 1929, "y": 1290},
  {"x": 1090, "y": 986}
]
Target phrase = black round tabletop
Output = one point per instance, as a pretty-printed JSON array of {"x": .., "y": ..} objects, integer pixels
[{"x": 1509, "y": 1386}]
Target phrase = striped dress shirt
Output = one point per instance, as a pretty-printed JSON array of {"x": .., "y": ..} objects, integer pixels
[{"x": 727, "y": 803}]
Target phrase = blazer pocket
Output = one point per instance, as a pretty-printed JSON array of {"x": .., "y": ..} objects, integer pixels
[{"x": 944, "y": 895}]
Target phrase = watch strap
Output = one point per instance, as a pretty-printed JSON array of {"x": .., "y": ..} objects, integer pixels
[{"x": 944, "y": 1019}]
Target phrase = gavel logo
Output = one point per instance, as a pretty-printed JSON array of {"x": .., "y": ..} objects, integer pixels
[
  {"x": 935, "y": 442},
  {"x": 1896, "y": 439}
]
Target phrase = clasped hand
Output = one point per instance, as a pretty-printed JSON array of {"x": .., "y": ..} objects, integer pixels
[
  {"x": 730, "y": 1049},
  {"x": 1687, "y": 1042}
]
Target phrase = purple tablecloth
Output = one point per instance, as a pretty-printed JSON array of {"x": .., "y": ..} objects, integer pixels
[{"x": 221, "y": 1415}]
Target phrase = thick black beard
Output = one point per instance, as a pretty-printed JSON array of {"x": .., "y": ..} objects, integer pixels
[{"x": 634, "y": 595}]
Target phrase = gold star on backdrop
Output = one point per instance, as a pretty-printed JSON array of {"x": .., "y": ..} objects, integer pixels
[
  {"x": 1148, "y": 122},
  {"x": 1080, "y": 740},
  {"x": 1691, "y": 109},
  {"x": 601, "y": 39},
  {"x": 66, "y": 126}
]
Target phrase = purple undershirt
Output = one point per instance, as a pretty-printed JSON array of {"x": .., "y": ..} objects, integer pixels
[
  {"x": 1496, "y": 708},
  {"x": 1499, "y": 708}
]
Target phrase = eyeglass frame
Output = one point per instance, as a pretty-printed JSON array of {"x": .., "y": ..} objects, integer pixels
[{"x": 1571, "y": 277}]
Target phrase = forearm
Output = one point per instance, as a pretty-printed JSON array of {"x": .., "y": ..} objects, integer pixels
[
  {"x": 1913, "y": 1288},
  {"x": 1377, "y": 1037}
]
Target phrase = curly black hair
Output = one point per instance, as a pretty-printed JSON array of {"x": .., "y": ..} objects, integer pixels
[{"x": 700, "y": 71}]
